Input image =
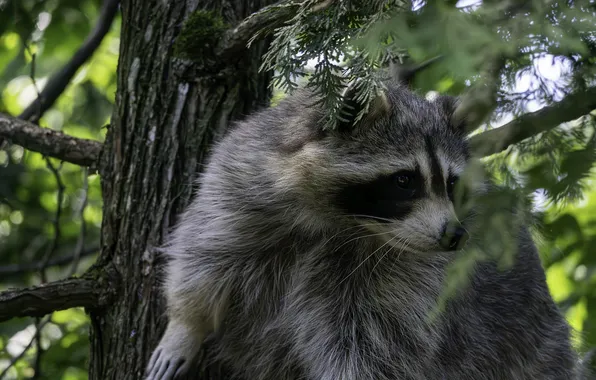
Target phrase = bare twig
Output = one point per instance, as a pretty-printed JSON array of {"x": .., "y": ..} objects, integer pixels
[
  {"x": 39, "y": 348},
  {"x": 48, "y": 142},
  {"x": 35, "y": 338},
  {"x": 18, "y": 269},
  {"x": 41, "y": 300},
  {"x": 573, "y": 106},
  {"x": 57, "y": 83},
  {"x": 81, "y": 238},
  {"x": 38, "y": 110},
  {"x": 56, "y": 223},
  {"x": 35, "y": 245},
  {"x": 49, "y": 252}
]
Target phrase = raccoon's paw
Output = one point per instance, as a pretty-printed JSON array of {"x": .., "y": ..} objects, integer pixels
[
  {"x": 174, "y": 355},
  {"x": 167, "y": 365}
]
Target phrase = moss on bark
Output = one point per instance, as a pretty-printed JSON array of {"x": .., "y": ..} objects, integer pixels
[{"x": 199, "y": 36}]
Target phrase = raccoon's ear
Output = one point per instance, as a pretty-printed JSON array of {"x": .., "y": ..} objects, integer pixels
[
  {"x": 351, "y": 108},
  {"x": 449, "y": 105},
  {"x": 405, "y": 73}
]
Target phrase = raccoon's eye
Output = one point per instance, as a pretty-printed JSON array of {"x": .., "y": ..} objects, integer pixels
[
  {"x": 405, "y": 180},
  {"x": 451, "y": 181}
]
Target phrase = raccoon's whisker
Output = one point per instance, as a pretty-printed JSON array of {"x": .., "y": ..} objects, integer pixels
[
  {"x": 424, "y": 233},
  {"x": 372, "y": 271},
  {"x": 405, "y": 245},
  {"x": 383, "y": 256},
  {"x": 365, "y": 260},
  {"x": 371, "y": 217},
  {"x": 362, "y": 237},
  {"x": 342, "y": 231},
  {"x": 352, "y": 234}
]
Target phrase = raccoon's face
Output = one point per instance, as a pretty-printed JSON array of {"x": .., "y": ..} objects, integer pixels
[
  {"x": 395, "y": 172},
  {"x": 409, "y": 200}
]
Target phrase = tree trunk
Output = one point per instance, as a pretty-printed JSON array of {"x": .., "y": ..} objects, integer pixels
[{"x": 166, "y": 115}]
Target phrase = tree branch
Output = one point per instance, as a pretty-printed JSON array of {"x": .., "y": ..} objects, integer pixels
[
  {"x": 570, "y": 108},
  {"x": 46, "y": 141},
  {"x": 49, "y": 142},
  {"x": 261, "y": 23},
  {"x": 43, "y": 299},
  {"x": 58, "y": 82}
]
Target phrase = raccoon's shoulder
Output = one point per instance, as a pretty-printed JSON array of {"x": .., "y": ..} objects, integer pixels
[{"x": 282, "y": 128}]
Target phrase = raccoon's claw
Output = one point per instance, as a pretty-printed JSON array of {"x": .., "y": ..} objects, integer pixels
[
  {"x": 175, "y": 353},
  {"x": 164, "y": 366}
]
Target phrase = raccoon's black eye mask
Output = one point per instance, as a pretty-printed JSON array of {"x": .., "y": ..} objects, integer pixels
[{"x": 389, "y": 196}]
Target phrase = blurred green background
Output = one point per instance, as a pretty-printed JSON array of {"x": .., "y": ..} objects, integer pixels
[{"x": 29, "y": 192}]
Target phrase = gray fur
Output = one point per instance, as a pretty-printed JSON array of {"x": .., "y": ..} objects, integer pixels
[{"x": 292, "y": 288}]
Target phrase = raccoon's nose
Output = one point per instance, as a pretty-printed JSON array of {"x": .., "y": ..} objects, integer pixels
[{"x": 453, "y": 236}]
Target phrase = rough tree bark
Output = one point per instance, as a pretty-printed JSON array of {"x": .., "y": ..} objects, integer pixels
[{"x": 168, "y": 110}]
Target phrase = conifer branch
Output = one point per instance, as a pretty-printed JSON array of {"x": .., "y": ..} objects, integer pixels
[
  {"x": 261, "y": 23},
  {"x": 570, "y": 108}
]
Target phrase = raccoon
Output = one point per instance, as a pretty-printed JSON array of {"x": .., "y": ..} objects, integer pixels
[{"x": 319, "y": 254}]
